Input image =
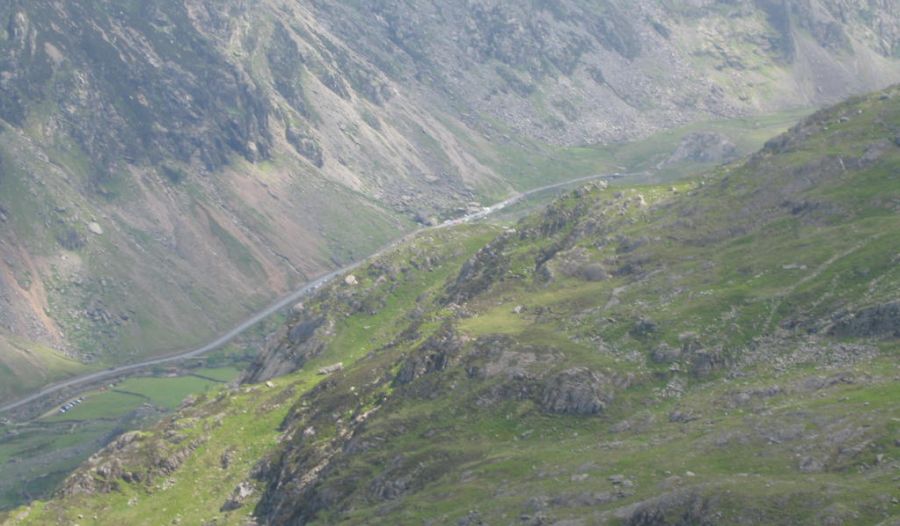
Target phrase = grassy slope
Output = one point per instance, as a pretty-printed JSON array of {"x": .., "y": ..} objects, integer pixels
[
  {"x": 27, "y": 365},
  {"x": 514, "y": 453},
  {"x": 747, "y": 264}
]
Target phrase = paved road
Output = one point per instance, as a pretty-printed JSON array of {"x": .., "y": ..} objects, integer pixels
[{"x": 283, "y": 302}]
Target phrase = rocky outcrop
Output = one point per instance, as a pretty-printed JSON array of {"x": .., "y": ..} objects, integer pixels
[
  {"x": 405, "y": 474},
  {"x": 436, "y": 354},
  {"x": 306, "y": 145},
  {"x": 879, "y": 321},
  {"x": 480, "y": 272},
  {"x": 685, "y": 508},
  {"x": 290, "y": 350},
  {"x": 133, "y": 458},
  {"x": 239, "y": 496},
  {"x": 665, "y": 353},
  {"x": 577, "y": 391},
  {"x": 706, "y": 362}
]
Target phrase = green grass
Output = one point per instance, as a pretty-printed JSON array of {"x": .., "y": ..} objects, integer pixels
[
  {"x": 239, "y": 254},
  {"x": 59, "y": 448},
  {"x": 219, "y": 374},
  {"x": 167, "y": 393},
  {"x": 124, "y": 397},
  {"x": 25, "y": 366},
  {"x": 110, "y": 404}
]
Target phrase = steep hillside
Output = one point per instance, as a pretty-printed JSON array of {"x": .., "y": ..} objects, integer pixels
[
  {"x": 720, "y": 351},
  {"x": 582, "y": 72},
  {"x": 168, "y": 166}
]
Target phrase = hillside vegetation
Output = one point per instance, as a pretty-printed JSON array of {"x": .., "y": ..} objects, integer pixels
[
  {"x": 720, "y": 351},
  {"x": 169, "y": 166}
]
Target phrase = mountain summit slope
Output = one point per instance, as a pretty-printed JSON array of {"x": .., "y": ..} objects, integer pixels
[
  {"x": 721, "y": 351},
  {"x": 166, "y": 167}
]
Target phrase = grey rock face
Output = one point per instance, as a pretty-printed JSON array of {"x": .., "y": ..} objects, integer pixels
[
  {"x": 665, "y": 354},
  {"x": 241, "y": 493},
  {"x": 434, "y": 355},
  {"x": 594, "y": 272},
  {"x": 123, "y": 104},
  {"x": 577, "y": 391},
  {"x": 478, "y": 274},
  {"x": 880, "y": 321},
  {"x": 673, "y": 509},
  {"x": 289, "y": 353},
  {"x": 705, "y": 362},
  {"x": 303, "y": 331},
  {"x": 306, "y": 145}
]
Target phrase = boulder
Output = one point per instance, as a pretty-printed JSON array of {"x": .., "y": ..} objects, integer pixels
[
  {"x": 644, "y": 327},
  {"x": 331, "y": 369},
  {"x": 705, "y": 362},
  {"x": 472, "y": 519},
  {"x": 593, "y": 272},
  {"x": 811, "y": 465},
  {"x": 239, "y": 496},
  {"x": 306, "y": 145},
  {"x": 682, "y": 417}
]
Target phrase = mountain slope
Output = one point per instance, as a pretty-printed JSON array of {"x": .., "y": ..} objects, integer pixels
[
  {"x": 581, "y": 72},
  {"x": 722, "y": 351},
  {"x": 168, "y": 166}
]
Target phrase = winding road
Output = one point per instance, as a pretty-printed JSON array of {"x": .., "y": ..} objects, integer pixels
[{"x": 282, "y": 303}]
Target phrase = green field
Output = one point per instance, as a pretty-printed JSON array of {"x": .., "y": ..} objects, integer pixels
[
  {"x": 162, "y": 392},
  {"x": 220, "y": 374},
  {"x": 109, "y": 405},
  {"x": 167, "y": 393}
]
